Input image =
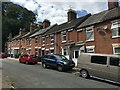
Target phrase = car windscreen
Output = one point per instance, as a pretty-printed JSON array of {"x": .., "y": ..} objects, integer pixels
[
  {"x": 60, "y": 57},
  {"x": 33, "y": 56}
]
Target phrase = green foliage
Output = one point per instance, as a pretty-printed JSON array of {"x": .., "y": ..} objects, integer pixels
[{"x": 15, "y": 17}]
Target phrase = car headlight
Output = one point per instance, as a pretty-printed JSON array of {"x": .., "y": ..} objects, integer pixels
[{"x": 65, "y": 63}]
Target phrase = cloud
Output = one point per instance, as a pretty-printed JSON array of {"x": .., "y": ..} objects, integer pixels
[{"x": 56, "y": 11}]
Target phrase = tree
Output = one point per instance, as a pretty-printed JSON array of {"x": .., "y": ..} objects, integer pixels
[{"x": 14, "y": 17}]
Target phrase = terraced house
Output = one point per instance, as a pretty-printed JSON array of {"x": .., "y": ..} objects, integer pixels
[{"x": 97, "y": 33}]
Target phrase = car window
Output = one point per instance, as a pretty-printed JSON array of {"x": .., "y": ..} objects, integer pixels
[
  {"x": 33, "y": 56},
  {"x": 114, "y": 61},
  {"x": 52, "y": 57},
  {"x": 99, "y": 59},
  {"x": 60, "y": 57},
  {"x": 46, "y": 56}
]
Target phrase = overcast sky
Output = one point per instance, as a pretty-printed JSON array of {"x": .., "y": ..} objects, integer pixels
[{"x": 56, "y": 10}]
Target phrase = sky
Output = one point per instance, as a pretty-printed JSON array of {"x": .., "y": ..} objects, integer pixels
[{"x": 56, "y": 10}]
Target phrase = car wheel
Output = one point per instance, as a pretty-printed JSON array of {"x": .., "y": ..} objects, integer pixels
[
  {"x": 84, "y": 73},
  {"x": 44, "y": 65},
  {"x": 60, "y": 68},
  {"x": 27, "y": 62},
  {"x": 35, "y": 62},
  {"x": 20, "y": 61}
]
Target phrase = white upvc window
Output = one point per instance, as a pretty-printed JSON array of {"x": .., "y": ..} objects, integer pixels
[
  {"x": 115, "y": 28},
  {"x": 90, "y": 49},
  {"x": 52, "y": 39},
  {"x": 43, "y": 40},
  {"x": 89, "y": 34},
  {"x": 116, "y": 49},
  {"x": 63, "y": 36}
]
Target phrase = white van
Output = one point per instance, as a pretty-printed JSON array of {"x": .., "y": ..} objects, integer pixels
[{"x": 104, "y": 66}]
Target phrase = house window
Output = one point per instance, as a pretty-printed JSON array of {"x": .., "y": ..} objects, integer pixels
[
  {"x": 52, "y": 51},
  {"x": 52, "y": 39},
  {"x": 63, "y": 36},
  {"x": 64, "y": 51},
  {"x": 36, "y": 39},
  {"x": 43, "y": 41},
  {"x": 116, "y": 49},
  {"x": 30, "y": 41},
  {"x": 90, "y": 49},
  {"x": 36, "y": 51},
  {"x": 115, "y": 28},
  {"x": 89, "y": 34}
]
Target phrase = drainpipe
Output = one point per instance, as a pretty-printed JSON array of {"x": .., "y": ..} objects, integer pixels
[{"x": 55, "y": 43}]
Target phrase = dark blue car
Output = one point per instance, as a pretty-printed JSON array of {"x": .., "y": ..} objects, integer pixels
[{"x": 58, "y": 61}]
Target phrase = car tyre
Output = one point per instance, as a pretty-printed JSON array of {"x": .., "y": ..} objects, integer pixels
[
  {"x": 27, "y": 62},
  {"x": 60, "y": 68},
  {"x": 84, "y": 73},
  {"x": 44, "y": 65}
]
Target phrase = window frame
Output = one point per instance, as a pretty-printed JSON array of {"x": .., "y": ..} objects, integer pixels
[
  {"x": 90, "y": 47},
  {"x": 63, "y": 35},
  {"x": 88, "y": 30},
  {"x": 52, "y": 39},
  {"x": 36, "y": 39},
  {"x": 114, "y": 50},
  {"x": 116, "y": 25},
  {"x": 43, "y": 41}
]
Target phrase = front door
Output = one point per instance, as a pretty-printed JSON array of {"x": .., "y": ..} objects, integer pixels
[{"x": 75, "y": 56}]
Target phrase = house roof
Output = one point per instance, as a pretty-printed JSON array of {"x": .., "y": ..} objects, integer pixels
[
  {"x": 29, "y": 33},
  {"x": 41, "y": 31},
  {"x": 73, "y": 23},
  {"x": 101, "y": 17},
  {"x": 53, "y": 30},
  {"x": 16, "y": 37}
]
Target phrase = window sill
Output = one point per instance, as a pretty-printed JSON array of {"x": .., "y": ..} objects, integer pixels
[
  {"x": 52, "y": 44},
  {"x": 63, "y": 41},
  {"x": 92, "y": 40},
  {"x": 115, "y": 37}
]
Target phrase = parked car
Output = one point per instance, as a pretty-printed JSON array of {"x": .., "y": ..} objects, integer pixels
[
  {"x": 103, "y": 66},
  {"x": 57, "y": 61},
  {"x": 3, "y": 55},
  {"x": 27, "y": 58}
]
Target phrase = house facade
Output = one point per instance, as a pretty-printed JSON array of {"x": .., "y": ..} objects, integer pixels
[{"x": 97, "y": 33}]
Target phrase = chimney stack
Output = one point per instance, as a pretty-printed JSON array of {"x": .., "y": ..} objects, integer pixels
[
  {"x": 71, "y": 15},
  {"x": 32, "y": 27},
  {"x": 46, "y": 23},
  {"x": 112, "y": 4}
]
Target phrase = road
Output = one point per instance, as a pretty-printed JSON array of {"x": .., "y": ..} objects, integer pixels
[{"x": 34, "y": 76}]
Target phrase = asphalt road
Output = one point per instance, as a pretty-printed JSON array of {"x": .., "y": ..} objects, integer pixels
[{"x": 34, "y": 76}]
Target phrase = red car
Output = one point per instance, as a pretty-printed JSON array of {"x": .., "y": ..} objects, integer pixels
[
  {"x": 3, "y": 55},
  {"x": 27, "y": 58}
]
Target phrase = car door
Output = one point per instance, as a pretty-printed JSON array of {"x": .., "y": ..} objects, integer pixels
[
  {"x": 98, "y": 66},
  {"x": 114, "y": 68},
  {"x": 53, "y": 61}
]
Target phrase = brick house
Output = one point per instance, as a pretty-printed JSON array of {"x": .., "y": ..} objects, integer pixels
[
  {"x": 97, "y": 33},
  {"x": 100, "y": 32},
  {"x": 39, "y": 45}
]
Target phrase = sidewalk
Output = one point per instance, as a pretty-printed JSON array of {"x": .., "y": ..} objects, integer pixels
[{"x": 17, "y": 59}]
